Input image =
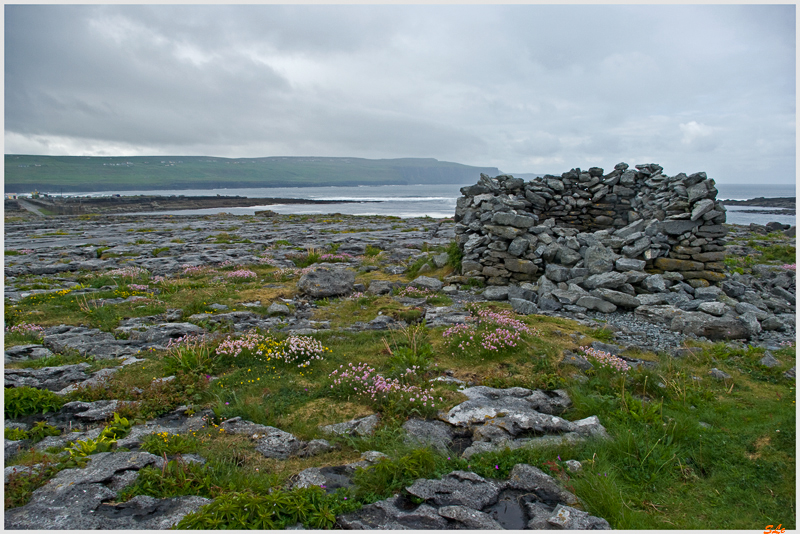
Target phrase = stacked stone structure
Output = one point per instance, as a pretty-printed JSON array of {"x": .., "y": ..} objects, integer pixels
[{"x": 598, "y": 230}]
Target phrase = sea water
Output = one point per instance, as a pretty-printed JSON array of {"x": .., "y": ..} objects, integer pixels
[{"x": 421, "y": 200}]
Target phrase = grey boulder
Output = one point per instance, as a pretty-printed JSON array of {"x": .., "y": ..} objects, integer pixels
[
  {"x": 75, "y": 499},
  {"x": 426, "y": 282},
  {"x": 457, "y": 488},
  {"x": 27, "y": 352},
  {"x": 363, "y": 426},
  {"x": 434, "y": 433},
  {"x": 51, "y": 378},
  {"x": 325, "y": 281}
]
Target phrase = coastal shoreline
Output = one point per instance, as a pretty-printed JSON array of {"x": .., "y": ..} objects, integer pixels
[
  {"x": 761, "y": 202},
  {"x": 145, "y": 203},
  {"x": 779, "y": 205},
  {"x": 140, "y": 203}
]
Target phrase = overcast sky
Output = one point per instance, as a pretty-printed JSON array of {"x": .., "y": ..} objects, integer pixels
[{"x": 525, "y": 88}]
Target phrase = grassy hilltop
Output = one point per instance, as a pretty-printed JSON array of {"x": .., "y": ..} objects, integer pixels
[{"x": 24, "y": 173}]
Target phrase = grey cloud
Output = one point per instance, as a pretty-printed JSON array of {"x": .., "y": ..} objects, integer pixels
[{"x": 513, "y": 86}]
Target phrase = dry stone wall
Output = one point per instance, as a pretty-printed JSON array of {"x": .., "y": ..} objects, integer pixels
[{"x": 587, "y": 224}]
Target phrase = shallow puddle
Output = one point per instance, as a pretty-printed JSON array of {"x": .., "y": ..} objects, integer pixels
[{"x": 509, "y": 509}]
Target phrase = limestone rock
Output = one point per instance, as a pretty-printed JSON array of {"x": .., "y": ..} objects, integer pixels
[
  {"x": 163, "y": 333},
  {"x": 594, "y": 303},
  {"x": 324, "y": 281},
  {"x": 717, "y": 309},
  {"x": 769, "y": 360},
  {"x": 50, "y": 378},
  {"x": 570, "y": 358},
  {"x": 380, "y": 287},
  {"x": 471, "y": 519},
  {"x": 276, "y": 308},
  {"x": 523, "y": 307},
  {"x": 708, "y": 326},
  {"x": 655, "y": 284},
  {"x": 599, "y": 259},
  {"x": 605, "y": 280},
  {"x": 486, "y": 403},
  {"x": 426, "y": 282},
  {"x": 719, "y": 375},
  {"x": 20, "y": 353},
  {"x": 623, "y": 300},
  {"x": 74, "y": 499},
  {"x": 457, "y": 488},
  {"x": 520, "y": 266},
  {"x": 529, "y": 478},
  {"x": 364, "y": 426},
  {"x": 495, "y": 293},
  {"x": 568, "y": 518},
  {"x": 434, "y": 433}
]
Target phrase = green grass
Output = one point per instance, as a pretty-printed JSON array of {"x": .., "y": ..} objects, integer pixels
[
  {"x": 371, "y": 251},
  {"x": 661, "y": 470},
  {"x": 778, "y": 253},
  {"x": 771, "y": 249},
  {"x": 25, "y": 400}
]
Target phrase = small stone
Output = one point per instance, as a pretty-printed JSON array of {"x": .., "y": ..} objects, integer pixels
[
  {"x": 324, "y": 281},
  {"x": 434, "y": 433},
  {"x": 655, "y": 284},
  {"x": 568, "y": 518},
  {"x": 556, "y": 273},
  {"x": 717, "y": 309},
  {"x": 773, "y": 323},
  {"x": 364, "y": 426},
  {"x": 495, "y": 293},
  {"x": 380, "y": 287},
  {"x": 573, "y": 466},
  {"x": 426, "y": 282},
  {"x": 471, "y": 519},
  {"x": 440, "y": 260},
  {"x": 599, "y": 259},
  {"x": 769, "y": 360},
  {"x": 594, "y": 303},
  {"x": 719, "y": 375},
  {"x": 570, "y": 358},
  {"x": 523, "y": 307},
  {"x": 277, "y": 308},
  {"x": 629, "y": 264}
]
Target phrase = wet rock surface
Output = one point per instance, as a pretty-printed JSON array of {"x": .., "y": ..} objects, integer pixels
[{"x": 529, "y": 499}]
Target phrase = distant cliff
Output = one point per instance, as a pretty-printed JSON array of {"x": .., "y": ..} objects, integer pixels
[{"x": 25, "y": 173}]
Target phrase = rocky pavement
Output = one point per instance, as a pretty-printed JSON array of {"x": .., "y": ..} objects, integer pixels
[{"x": 758, "y": 307}]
